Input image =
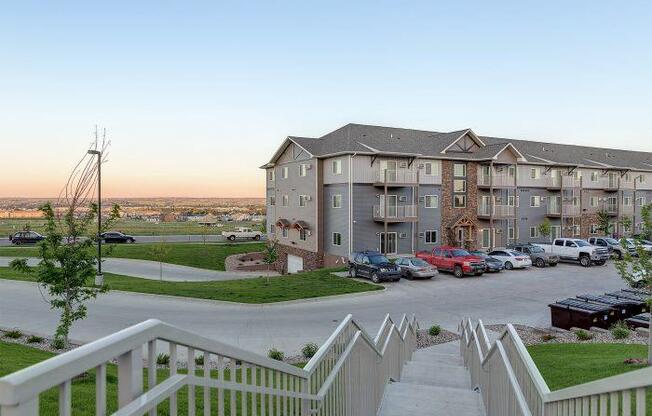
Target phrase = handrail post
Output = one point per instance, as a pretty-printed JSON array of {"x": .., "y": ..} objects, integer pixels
[
  {"x": 305, "y": 403},
  {"x": 130, "y": 376},
  {"x": 28, "y": 408}
]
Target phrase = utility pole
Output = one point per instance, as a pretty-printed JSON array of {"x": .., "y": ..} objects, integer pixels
[{"x": 99, "y": 277}]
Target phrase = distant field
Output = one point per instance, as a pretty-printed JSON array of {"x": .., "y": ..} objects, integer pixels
[{"x": 8, "y": 226}]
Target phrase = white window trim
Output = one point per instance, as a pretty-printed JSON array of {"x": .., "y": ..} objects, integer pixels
[
  {"x": 285, "y": 232},
  {"x": 488, "y": 230},
  {"x": 272, "y": 201},
  {"x": 536, "y": 232},
  {"x": 336, "y": 167},
  {"x": 285, "y": 172},
  {"x": 425, "y": 237},
  {"x": 303, "y": 170},
  {"x": 536, "y": 198},
  {"x": 434, "y": 197},
  {"x": 333, "y": 239},
  {"x": 333, "y": 198},
  {"x": 285, "y": 201},
  {"x": 463, "y": 168},
  {"x": 536, "y": 172},
  {"x": 303, "y": 198}
]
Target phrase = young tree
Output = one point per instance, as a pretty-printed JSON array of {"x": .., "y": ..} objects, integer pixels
[
  {"x": 263, "y": 226},
  {"x": 637, "y": 270},
  {"x": 271, "y": 254},
  {"x": 160, "y": 252},
  {"x": 626, "y": 223},
  {"x": 545, "y": 228},
  {"x": 604, "y": 223}
]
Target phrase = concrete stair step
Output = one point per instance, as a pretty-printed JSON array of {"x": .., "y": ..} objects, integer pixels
[
  {"x": 431, "y": 356},
  {"x": 423, "y": 400},
  {"x": 436, "y": 375},
  {"x": 452, "y": 347}
]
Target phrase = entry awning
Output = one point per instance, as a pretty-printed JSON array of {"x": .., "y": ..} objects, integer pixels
[
  {"x": 282, "y": 222},
  {"x": 301, "y": 225}
]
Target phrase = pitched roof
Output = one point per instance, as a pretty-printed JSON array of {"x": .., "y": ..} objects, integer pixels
[{"x": 368, "y": 139}]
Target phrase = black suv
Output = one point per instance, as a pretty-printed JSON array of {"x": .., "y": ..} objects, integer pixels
[
  {"x": 116, "y": 237},
  {"x": 25, "y": 237},
  {"x": 374, "y": 266}
]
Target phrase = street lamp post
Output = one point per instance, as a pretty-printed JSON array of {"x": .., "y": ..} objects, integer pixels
[{"x": 99, "y": 277}]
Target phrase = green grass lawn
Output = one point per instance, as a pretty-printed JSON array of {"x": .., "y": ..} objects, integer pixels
[
  {"x": 565, "y": 365},
  {"x": 206, "y": 256},
  {"x": 256, "y": 290},
  {"x": 15, "y": 357}
]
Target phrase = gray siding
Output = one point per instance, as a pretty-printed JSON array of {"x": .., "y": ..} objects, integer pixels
[
  {"x": 532, "y": 216},
  {"x": 429, "y": 218},
  {"x": 336, "y": 219}
]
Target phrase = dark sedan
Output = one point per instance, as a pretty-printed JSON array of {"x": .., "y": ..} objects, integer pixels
[
  {"x": 117, "y": 237},
  {"x": 493, "y": 264},
  {"x": 25, "y": 237}
]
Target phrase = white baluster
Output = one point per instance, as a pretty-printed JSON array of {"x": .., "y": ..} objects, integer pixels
[
  {"x": 100, "y": 390},
  {"x": 130, "y": 376}
]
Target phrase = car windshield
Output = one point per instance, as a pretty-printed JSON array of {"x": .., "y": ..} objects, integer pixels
[
  {"x": 419, "y": 263},
  {"x": 459, "y": 253},
  {"x": 536, "y": 249},
  {"x": 611, "y": 240},
  {"x": 581, "y": 243},
  {"x": 514, "y": 253},
  {"x": 378, "y": 259}
]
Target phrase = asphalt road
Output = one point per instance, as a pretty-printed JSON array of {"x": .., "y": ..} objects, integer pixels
[
  {"x": 510, "y": 296},
  {"x": 213, "y": 238}
]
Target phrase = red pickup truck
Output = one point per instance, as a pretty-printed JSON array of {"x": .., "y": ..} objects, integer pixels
[{"x": 454, "y": 259}]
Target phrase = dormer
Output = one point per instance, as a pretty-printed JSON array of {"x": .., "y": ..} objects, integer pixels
[{"x": 467, "y": 142}]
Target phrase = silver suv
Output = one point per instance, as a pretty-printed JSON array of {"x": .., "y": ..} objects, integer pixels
[{"x": 537, "y": 254}]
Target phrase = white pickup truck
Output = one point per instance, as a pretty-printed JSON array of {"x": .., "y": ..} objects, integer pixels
[
  {"x": 242, "y": 233},
  {"x": 575, "y": 249}
]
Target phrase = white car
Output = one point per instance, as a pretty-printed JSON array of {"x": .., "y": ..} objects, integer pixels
[
  {"x": 512, "y": 259},
  {"x": 645, "y": 244},
  {"x": 242, "y": 233}
]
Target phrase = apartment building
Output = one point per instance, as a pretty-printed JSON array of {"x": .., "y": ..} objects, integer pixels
[{"x": 399, "y": 191}]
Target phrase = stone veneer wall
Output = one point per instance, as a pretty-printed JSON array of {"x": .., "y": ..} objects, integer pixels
[
  {"x": 585, "y": 224},
  {"x": 450, "y": 215},
  {"x": 311, "y": 260}
]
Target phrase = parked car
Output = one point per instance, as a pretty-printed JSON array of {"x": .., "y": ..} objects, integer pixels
[
  {"x": 373, "y": 265},
  {"x": 613, "y": 245},
  {"x": 242, "y": 233},
  {"x": 493, "y": 265},
  {"x": 537, "y": 254},
  {"x": 117, "y": 237},
  {"x": 512, "y": 259},
  {"x": 631, "y": 245},
  {"x": 414, "y": 268},
  {"x": 575, "y": 249},
  {"x": 454, "y": 259},
  {"x": 25, "y": 237}
]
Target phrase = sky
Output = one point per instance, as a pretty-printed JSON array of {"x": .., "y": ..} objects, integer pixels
[{"x": 195, "y": 96}]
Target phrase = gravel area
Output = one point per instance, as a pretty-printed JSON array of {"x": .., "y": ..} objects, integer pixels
[
  {"x": 534, "y": 336},
  {"x": 425, "y": 340},
  {"x": 45, "y": 344}
]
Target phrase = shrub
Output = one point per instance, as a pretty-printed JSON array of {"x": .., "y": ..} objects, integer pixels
[
  {"x": 309, "y": 350},
  {"x": 434, "y": 330},
  {"x": 199, "y": 360},
  {"x": 58, "y": 343},
  {"x": 13, "y": 334},
  {"x": 620, "y": 330},
  {"x": 275, "y": 354},
  {"x": 33, "y": 339},
  {"x": 583, "y": 335},
  {"x": 163, "y": 359},
  {"x": 547, "y": 337}
]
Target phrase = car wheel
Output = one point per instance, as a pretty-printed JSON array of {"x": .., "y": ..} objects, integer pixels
[
  {"x": 409, "y": 276},
  {"x": 601, "y": 262},
  {"x": 231, "y": 237},
  {"x": 585, "y": 261},
  {"x": 352, "y": 272},
  {"x": 375, "y": 278},
  {"x": 540, "y": 262},
  {"x": 257, "y": 238},
  {"x": 619, "y": 254},
  {"x": 509, "y": 265},
  {"x": 457, "y": 272},
  {"x": 553, "y": 264}
]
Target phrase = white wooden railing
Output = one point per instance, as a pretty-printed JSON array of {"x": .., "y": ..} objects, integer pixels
[
  {"x": 511, "y": 384},
  {"x": 347, "y": 375}
]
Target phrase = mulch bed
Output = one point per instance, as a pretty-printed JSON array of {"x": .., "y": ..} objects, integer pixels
[
  {"x": 535, "y": 336},
  {"x": 425, "y": 340}
]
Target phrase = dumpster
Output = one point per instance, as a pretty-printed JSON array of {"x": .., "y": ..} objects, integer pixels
[
  {"x": 639, "y": 321},
  {"x": 636, "y": 297},
  {"x": 623, "y": 307},
  {"x": 578, "y": 313},
  {"x": 639, "y": 291}
]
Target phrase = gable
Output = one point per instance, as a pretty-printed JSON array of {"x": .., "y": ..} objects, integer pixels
[
  {"x": 293, "y": 153},
  {"x": 467, "y": 142}
]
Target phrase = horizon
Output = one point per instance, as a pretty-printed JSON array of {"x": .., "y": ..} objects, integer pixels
[{"x": 193, "y": 112}]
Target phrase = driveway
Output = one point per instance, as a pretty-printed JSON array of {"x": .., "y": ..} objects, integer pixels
[
  {"x": 151, "y": 270},
  {"x": 510, "y": 296}
]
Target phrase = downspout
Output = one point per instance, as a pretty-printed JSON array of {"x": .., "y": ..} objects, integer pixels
[
  {"x": 492, "y": 203},
  {"x": 351, "y": 202}
]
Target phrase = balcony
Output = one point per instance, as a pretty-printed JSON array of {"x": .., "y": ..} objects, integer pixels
[
  {"x": 400, "y": 213},
  {"x": 558, "y": 182},
  {"x": 497, "y": 181},
  {"x": 499, "y": 211},
  {"x": 611, "y": 183},
  {"x": 555, "y": 210},
  {"x": 396, "y": 178},
  {"x": 611, "y": 209}
]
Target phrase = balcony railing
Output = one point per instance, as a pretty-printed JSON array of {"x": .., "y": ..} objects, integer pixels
[
  {"x": 395, "y": 177},
  {"x": 555, "y": 209},
  {"x": 557, "y": 182},
  {"x": 498, "y": 180},
  {"x": 499, "y": 211},
  {"x": 395, "y": 213}
]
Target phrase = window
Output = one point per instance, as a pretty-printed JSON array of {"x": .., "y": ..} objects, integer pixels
[
  {"x": 271, "y": 175},
  {"x": 337, "y": 201},
  {"x": 431, "y": 201},
  {"x": 286, "y": 201},
  {"x": 272, "y": 200},
  {"x": 303, "y": 169},
  {"x": 337, "y": 167},
  {"x": 593, "y": 201},
  {"x": 459, "y": 185},
  {"x": 431, "y": 168},
  {"x": 272, "y": 229},
  {"x": 576, "y": 201},
  {"x": 535, "y": 201},
  {"x": 303, "y": 234},
  {"x": 302, "y": 200},
  {"x": 534, "y": 232},
  {"x": 640, "y": 201},
  {"x": 642, "y": 179},
  {"x": 628, "y": 177},
  {"x": 337, "y": 239},
  {"x": 512, "y": 201},
  {"x": 285, "y": 231},
  {"x": 511, "y": 171},
  {"x": 430, "y": 236},
  {"x": 459, "y": 201},
  {"x": 486, "y": 238},
  {"x": 512, "y": 233},
  {"x": 576, "y": 230},
  {"x": 593, "y": 229},
  {"x": 627, "y": 201},
  {"x": 594, "y": 176},
  {"x": 535, "y": 173},
  {"x": 555, "y": 231},
  {"x": 459, "y": 170},
  {"x": 284, "y": 172}
]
